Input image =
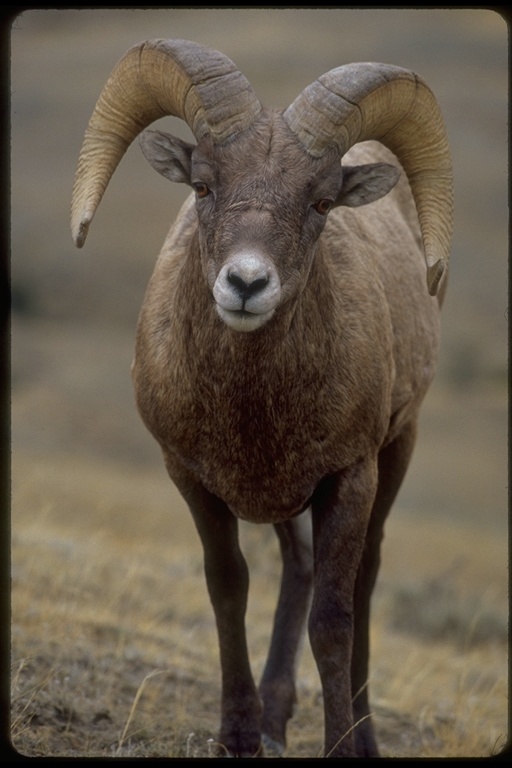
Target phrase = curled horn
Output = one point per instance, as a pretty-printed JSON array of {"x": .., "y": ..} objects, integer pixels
[
  {"x": 367, "y": 101},
  {"x": 154, "y": 79}
]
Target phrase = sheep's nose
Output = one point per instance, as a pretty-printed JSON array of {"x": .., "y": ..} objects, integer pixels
[
  {"x": 247, "y": 286},
  {"x": 247, "y": 290}
]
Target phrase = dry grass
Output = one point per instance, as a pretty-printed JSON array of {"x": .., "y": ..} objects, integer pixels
[{"x": 114, "y": 646}]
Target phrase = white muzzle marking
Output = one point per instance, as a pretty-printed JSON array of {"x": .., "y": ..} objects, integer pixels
[{"x": 247, "y": 291}]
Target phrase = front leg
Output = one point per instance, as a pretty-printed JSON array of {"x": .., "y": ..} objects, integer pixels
[
  {"x": 392, "y": 463},
  {"x": 341, "y": 510},
  {"x": 227, "y": 579}
]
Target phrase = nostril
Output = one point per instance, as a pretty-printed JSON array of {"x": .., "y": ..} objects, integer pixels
[{"x": 245, "y": 288}]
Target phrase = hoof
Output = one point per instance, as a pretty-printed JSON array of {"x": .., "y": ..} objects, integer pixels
[
  {"x": 222, "y": 748},
  {"x": 272, "y": 748}
]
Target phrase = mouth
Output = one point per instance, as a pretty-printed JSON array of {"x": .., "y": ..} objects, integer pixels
[
  {"x": 243, "y": 321},
  {"x": 246, "y": 290}
]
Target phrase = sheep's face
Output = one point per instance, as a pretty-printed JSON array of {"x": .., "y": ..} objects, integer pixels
[{"x": 262, "y": 204}]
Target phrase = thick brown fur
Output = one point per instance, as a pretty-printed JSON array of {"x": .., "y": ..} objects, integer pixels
[
  {"x": 261, "y": 417},
  {"x": 317, "y": 408}
]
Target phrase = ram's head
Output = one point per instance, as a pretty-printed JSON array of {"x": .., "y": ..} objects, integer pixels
[{"x": 265, "y": 180}]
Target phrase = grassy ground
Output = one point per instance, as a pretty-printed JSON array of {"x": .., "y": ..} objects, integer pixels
[{"x": 113, "y": 642}]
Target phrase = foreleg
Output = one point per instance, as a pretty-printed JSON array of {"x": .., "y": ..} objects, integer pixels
[
  {"x": 228, "y": 583},
  {"x": 341, "y": 511},
  {"x": 392, "y": 465}
]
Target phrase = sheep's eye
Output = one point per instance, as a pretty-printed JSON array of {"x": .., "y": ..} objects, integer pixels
[
  {"x": 202, "y": 189},
  {"x": 323, "y": 206}
]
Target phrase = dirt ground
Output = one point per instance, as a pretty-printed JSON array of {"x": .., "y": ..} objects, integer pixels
[{"x": 113, "y": 642}]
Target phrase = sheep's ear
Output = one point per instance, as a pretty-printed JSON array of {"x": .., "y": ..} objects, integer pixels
[
  {"x": 364, "y": 184},
  {"x": 167, "y": 154}
]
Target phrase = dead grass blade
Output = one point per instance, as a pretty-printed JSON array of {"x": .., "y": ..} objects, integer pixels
[
  {"x": 134, "y": 707},
  {"x": 352, "y": 727}
]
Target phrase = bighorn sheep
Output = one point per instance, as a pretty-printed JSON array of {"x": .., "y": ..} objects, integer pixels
[{"x": 285, "y": 343}]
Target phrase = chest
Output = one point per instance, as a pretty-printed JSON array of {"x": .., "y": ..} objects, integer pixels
[{"x": 259, "y": 430}]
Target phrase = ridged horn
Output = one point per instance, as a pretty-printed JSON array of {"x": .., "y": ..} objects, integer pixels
[
  {"x": 154, "y": 79},
  {"x": 368, "y": 101}
]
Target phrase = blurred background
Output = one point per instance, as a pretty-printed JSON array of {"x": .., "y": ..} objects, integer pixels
[{"x": 75, "y": 312}]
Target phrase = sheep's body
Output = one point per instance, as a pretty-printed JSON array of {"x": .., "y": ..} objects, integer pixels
[
  {"x": 261, "y": 418},
  {"x": 284, "y": 348}
]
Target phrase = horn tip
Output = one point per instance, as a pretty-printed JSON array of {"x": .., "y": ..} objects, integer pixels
[
  {"x": 79, "y": 231},
  {"x": 434, "y": 275}
]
